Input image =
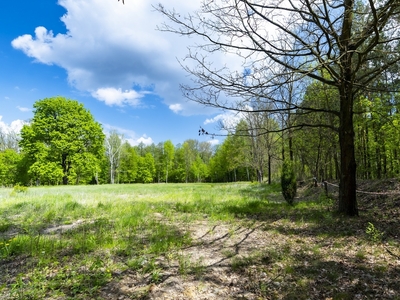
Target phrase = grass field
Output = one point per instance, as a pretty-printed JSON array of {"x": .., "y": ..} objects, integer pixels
[{"x": 194, "y": 241}]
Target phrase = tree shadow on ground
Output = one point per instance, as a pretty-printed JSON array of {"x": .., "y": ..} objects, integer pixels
[
  {"x": 320, "y": 215},
  {"x": 317, "y": 277}
]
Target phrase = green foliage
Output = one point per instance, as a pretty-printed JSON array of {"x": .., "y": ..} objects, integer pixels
[
  {"x": 373, "y": 233},
  {"x": 128, "y": 164},
  {"x": 18, "y": 189},
  {"x": 58, "y": 140},
  {"x": 74, "y": 242},
  {"x": 9, "y": 161},
  {"x": 169, "y": 154},
  {"x": 199, "y": 169},
  {"x": 146, "y": 169},
  {"x": 46, "y": 172},
  {"x": 288, "y": 182}
]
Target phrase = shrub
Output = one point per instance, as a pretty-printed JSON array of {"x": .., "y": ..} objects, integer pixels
[
  {"x": 288, "y": 182},
  {"x": 373, "y": 233},
  {"x": 18, "y": 189}
]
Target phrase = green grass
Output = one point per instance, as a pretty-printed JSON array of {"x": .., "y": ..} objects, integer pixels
[
  {"x": 130, "y": 223},
  {"x": 72, "y": 242}
]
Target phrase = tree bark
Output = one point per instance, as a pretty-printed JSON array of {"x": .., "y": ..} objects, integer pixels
[
  {"x": 347, "y": 186},
  {"x": 269, "y": 169},
  {"x": 65, "y": 167}
]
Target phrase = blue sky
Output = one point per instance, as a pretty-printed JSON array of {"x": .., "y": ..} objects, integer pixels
[{"x": 106, "y": 55}]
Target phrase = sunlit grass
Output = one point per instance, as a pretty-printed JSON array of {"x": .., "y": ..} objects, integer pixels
[
  {"x": 69, "y": 242},
  {"x": 136, "y": 223}
]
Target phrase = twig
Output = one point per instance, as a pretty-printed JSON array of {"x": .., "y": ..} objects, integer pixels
[{"x": 391, "y": 253}]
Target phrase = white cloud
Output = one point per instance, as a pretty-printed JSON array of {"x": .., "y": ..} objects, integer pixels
[
  {"x": 14, "y": 127},
  {"x": 228, "y": 119},
  {"x": 145, "y": 140},
  {"x": 128, "y": 135},
  {"x": 108, "y": 45},
  {"x": 177, "y": 107},
  {"x": 112, "y": 96},
  {"x": 213, "y": 142},
  {"x": 109, "y": 48},
  {"x": 23, "y": 109},
  {"x": 7, "y": 98}
]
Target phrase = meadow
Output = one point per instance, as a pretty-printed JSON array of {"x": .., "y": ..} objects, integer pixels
[{"x": 194, "y": 241}]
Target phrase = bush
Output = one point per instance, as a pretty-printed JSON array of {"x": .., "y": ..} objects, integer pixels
[
  {"x": 288, "y": 182},
  {"x": 18, "y": 189}
]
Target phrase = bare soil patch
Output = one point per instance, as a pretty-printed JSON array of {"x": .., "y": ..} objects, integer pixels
[
  {"x": 284, "y": 256},
  {"x": 305, "y": 252}
]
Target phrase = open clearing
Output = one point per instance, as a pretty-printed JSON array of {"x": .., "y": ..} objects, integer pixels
[{"x": 197, "y": 241}]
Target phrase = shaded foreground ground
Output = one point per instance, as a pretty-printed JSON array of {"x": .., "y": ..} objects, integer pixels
[{"x": 266, "y": 251}]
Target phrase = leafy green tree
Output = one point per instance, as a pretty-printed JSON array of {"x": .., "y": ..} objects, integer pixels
[
  {"x": 199, "y": 169},
  {"x": 218, "y": 164},
  {"x": 190, "y": 152},
  {"x": 178, "y": 172},
  {"x": 129, "y": 164},
  {"x": 46, "y": 172},
  {"x": 141, "y": 149},
  {"x": 241, "y": 144},
  {"x": 86, "y": 168},
  {"x": 169, "y": 153},
  {"x": 158, "y": 154},
  {"x": 146, "y": 168},
  {"x": 61, "y": 131},
  {"x": 378, "y": 136},
  {"x": 9, "y": 161},
  {"x": 316, "y": 145},
  {"x": 355, "y": 42}
]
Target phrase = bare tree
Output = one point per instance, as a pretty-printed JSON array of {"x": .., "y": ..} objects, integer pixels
[
  {"x": 113, "y": 144},
  {"x": 334, "y": 42},
  {"x": 9, "y": 139}
]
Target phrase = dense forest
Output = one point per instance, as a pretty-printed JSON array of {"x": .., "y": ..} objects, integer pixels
[{"x": 63, "y": 144}]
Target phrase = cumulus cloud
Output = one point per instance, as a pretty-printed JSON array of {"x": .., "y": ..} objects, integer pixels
[
  {"x": 14, "y": 127},
  {"x": 145, "y": 140},
  {"x": 108, "y": 45},
  {"x": 112, "y": 96},
  {"x": 128, "y": 135},
  {"x": 177, "y": 107},
  {"x": 110, "y": 50},
  {"x": 226, "y": 120}
]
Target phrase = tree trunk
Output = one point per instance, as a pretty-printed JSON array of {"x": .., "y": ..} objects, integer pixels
[
  {"x": 347, "y": 186},
  {"x": 112, "y": 173},
  {"x": 269, "y": 169},
  {"x": 65, "y": 167}
]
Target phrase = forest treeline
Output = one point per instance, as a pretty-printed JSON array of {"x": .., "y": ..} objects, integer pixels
[{"x": 63, "y": 144}]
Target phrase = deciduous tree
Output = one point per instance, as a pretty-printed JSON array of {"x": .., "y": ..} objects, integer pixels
[
  {"x": 305, "y": 38},
  {"x": 60, "y": 133},
  {"x": 113, "y": 144},
  {"x": 169, "y": 153},
  {"x": 9, "y": 161}
]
